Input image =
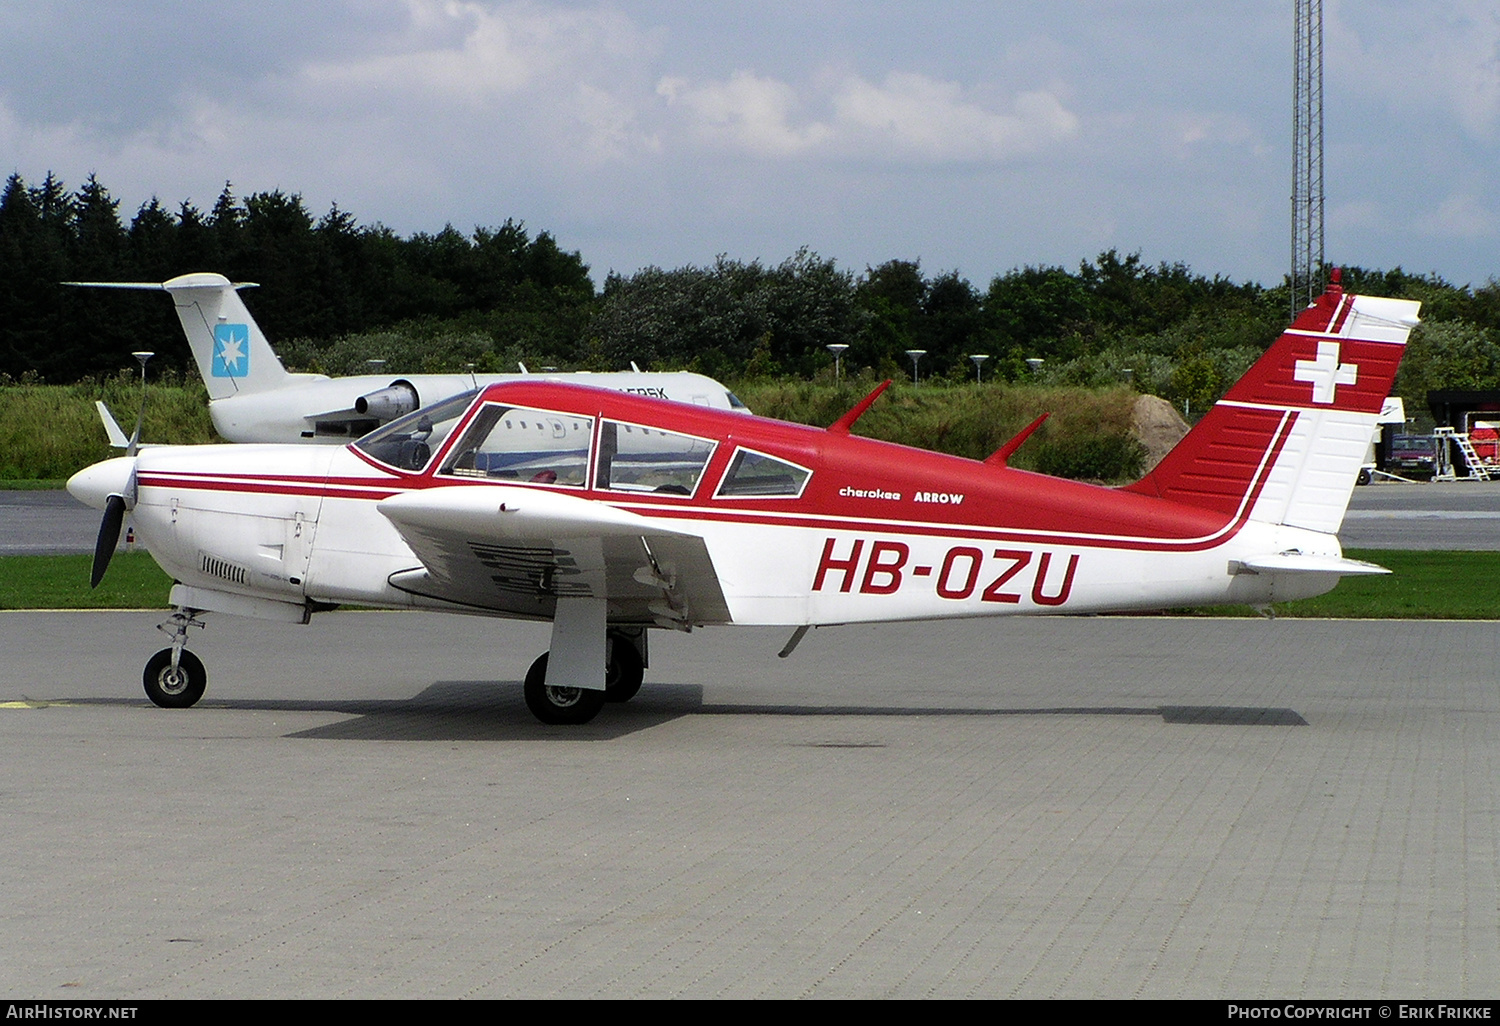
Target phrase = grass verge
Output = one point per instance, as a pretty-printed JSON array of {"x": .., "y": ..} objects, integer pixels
[
  {"x": 1422, "y": 586},
  {"x": 134, "y": 581}
]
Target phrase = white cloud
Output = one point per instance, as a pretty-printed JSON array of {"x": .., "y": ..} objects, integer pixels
[
  {"x": 1446, "y": 56},
  {"x": 1459, "y": 216},
  {"x": 916, "y": 116},
  {"x": 613, "y": 131},
  {"x": 749, "y": 112},
  {"x": 908, "y": 117}
]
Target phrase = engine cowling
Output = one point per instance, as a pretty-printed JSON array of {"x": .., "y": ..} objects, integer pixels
[{"x": 396, "y": 400}]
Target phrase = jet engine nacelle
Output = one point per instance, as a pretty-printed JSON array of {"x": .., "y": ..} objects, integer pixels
[{"x": 397, "y": 400}]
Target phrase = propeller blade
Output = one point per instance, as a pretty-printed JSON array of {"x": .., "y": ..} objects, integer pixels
[{"x": 109, "y": 536}]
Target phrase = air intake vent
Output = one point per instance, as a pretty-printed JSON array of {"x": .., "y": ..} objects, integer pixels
[{"x": 224, "y": 570}]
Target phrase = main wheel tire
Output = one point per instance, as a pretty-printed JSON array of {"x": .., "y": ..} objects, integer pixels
[
  {"x": 177, "y": 690},
  {"x": 625, "y": 671},
  {"x": 552, "y": 704},
  {"x": 1364, "y": 476}
]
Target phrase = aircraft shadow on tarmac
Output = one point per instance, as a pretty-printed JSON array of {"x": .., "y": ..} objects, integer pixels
[{"x": 472, "y": 710}]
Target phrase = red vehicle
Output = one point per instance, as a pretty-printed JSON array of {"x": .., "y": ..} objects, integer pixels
[{"x": 1413, "y": 454}]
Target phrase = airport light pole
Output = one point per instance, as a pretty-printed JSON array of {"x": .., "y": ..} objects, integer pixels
[
  {"x": 978, "y": 359},
  {"x": 135, "y": 439},
  {"x": 915, "y": 354},
  {"x": 837, "y": 349}
]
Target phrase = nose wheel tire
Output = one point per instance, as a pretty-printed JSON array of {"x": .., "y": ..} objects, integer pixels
[
  {"x": 175, "y": 689},
  {"x": 562, "y": 705}
]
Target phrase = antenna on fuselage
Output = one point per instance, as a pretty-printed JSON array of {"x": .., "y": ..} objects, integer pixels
[
  {"x": 1000, "y": 455},
  {"x": 844, "y": 423}
]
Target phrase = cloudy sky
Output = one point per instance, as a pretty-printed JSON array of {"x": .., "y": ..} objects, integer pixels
[{"x": 976, "y": 135}]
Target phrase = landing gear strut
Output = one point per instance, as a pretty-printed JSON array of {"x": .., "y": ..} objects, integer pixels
[{"x": 174, "y": 677}]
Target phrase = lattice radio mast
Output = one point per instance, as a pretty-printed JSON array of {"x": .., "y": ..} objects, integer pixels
[{"x": 1307, "y": 155}]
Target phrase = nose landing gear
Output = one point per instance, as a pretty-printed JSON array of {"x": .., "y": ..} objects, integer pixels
[
  {"x": 175, "y": 687},
  {"x": 174, "y": 677}
]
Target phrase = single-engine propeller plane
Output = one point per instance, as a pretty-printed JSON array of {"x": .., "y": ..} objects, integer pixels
[
  {"x": 252, "y": 397},
  {"x": 612, "y": 514}
]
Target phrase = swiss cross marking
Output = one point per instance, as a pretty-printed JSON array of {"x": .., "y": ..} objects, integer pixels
[{"x": 1326, "y": 374}]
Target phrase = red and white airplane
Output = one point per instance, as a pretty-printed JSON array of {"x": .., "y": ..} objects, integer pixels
[{"x": 610, "y": 514}]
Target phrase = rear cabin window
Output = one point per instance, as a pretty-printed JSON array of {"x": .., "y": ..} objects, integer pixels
[
  {"x": 522, "y": 446},
  {"x": 634, "y": 458},
  {"x": 754, "y": 475}
]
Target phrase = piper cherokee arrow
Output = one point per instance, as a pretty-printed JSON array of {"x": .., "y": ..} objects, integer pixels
[{"x": 611, "y": 515}]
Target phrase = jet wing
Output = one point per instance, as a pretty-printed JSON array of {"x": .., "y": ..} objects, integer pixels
[
  {"x": 516, "y": 550},
  {"x": 348, "y": 423}
]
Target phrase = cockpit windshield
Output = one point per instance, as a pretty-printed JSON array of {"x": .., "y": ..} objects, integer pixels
[{"x": 408, "y": 442}]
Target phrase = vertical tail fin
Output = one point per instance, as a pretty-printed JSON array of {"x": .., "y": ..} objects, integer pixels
[
  {"x": 229, "y": 348},
  {"x": 1286, "y": 442},
  {"x": 231, "y": 351}
]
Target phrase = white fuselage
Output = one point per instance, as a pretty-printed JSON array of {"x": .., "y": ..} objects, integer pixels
[
  {"x": 315, "y": 409},
  {"x": 294, "y": 525}
]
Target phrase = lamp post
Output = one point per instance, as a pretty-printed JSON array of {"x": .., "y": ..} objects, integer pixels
[
  {"x": 978, "y": 359},
  {"x": 915, "y": 354},
  {"x": 1035, "y": 363},
  {"x": 837, "y": 349}
]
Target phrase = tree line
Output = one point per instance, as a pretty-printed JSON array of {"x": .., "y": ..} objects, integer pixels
[{"x": 334, "y": 292}]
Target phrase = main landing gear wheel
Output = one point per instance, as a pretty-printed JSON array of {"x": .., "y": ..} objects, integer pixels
[
  {"x": 552, "y": 704},
  {"x": 624, "y": 672},
  {"x": 175, "y": 689}
]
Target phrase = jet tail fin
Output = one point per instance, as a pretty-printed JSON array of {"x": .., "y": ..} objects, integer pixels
[
  {"x": 229, "y": 348},
  {"x": 116, "y": 434},
  {"x": 1286, "y": 443}
]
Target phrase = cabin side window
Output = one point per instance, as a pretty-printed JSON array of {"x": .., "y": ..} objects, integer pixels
[
  {"x": 521, "y": 446},
  {"x": 754, "y": 475},
  {"x": 635, "y": 458}
]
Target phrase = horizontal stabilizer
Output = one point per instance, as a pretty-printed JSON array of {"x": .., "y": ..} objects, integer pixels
[{"x": 1302, "y": 563}]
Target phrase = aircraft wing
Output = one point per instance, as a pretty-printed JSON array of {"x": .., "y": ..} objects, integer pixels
[{"x": 516, "y": 550}]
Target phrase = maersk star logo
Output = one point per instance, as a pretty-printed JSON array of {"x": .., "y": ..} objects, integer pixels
[
  {"x": 1326, "y": 374},
  {"x": 231, "y": 350}
]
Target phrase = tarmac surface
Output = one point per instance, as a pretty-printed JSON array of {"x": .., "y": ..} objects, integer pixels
[
  {"x": 1065, "y": 807},
  {"x": 1459, "y": 515}
]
